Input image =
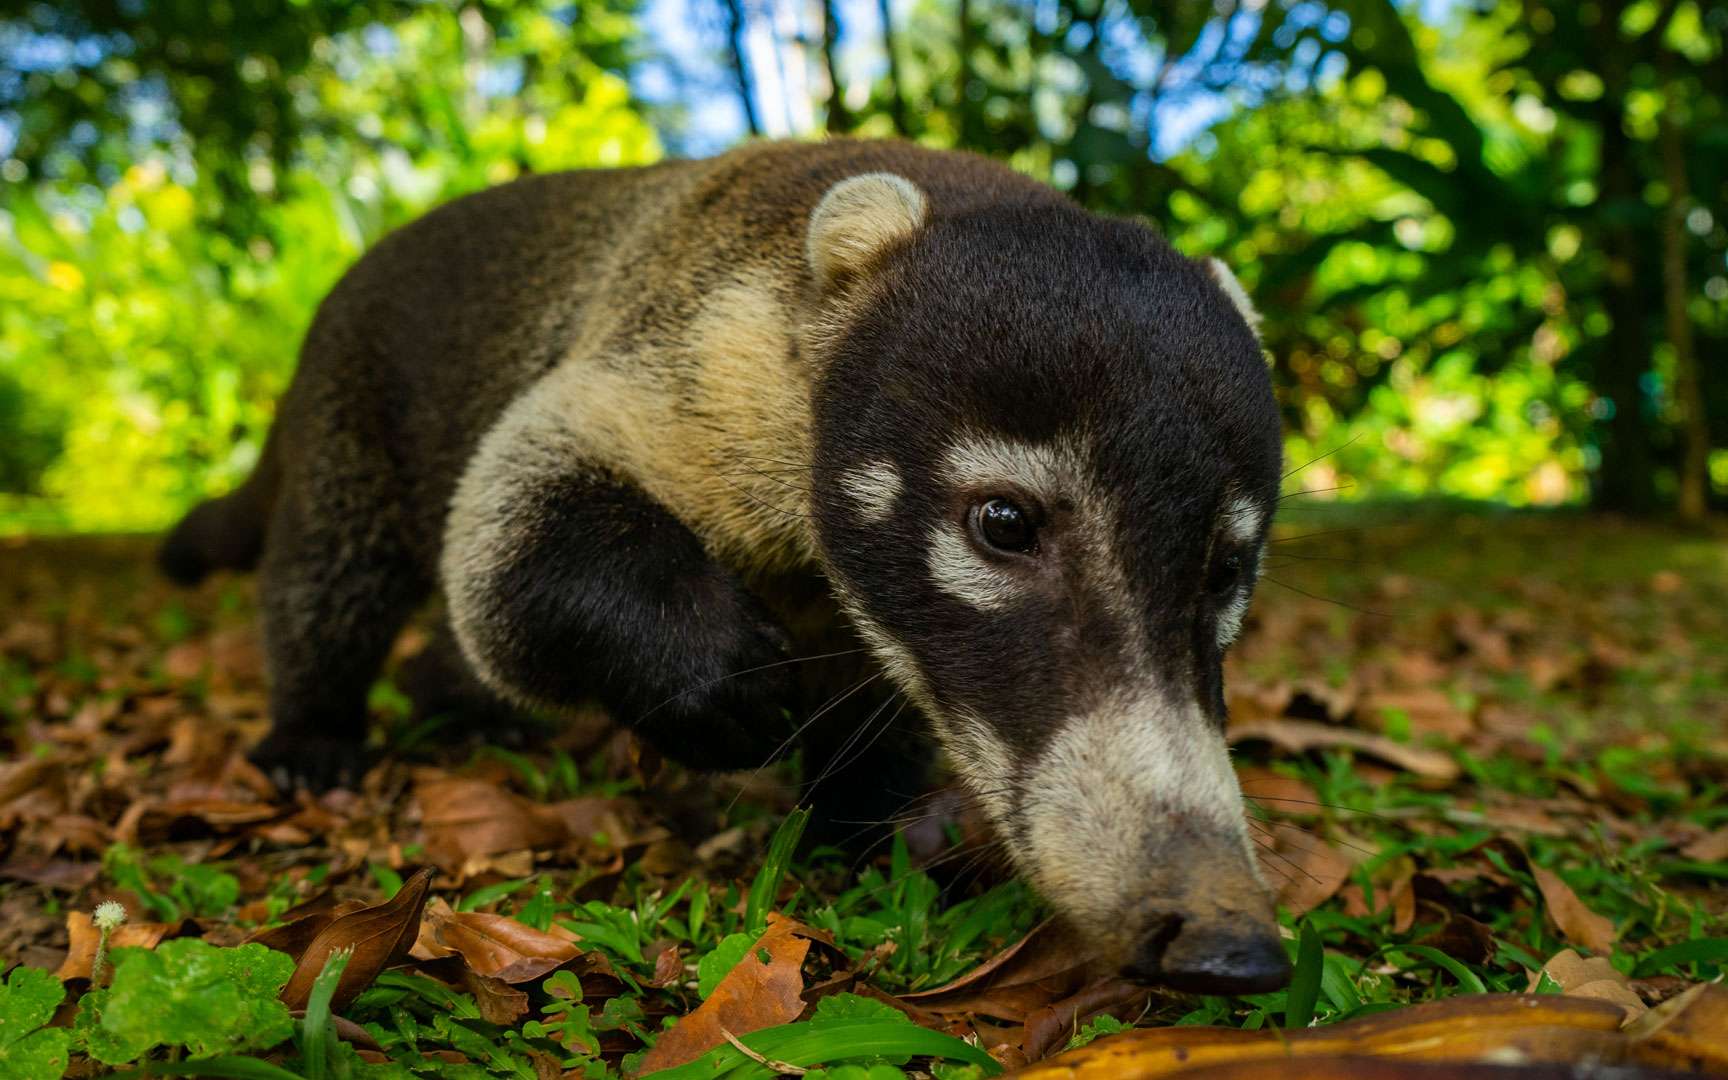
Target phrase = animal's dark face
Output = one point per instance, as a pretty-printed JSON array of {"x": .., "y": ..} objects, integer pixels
[{"x": 1046, "y": 457}]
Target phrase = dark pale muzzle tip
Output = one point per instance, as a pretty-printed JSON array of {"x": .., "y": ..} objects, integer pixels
[{"x": 1220, "y": 962}]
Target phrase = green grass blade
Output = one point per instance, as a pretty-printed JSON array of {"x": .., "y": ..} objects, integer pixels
[
  {"x": 316, "y": 1034},
  {"x": 1305, "y": 982},
  {"x": 1696, "y": 951},
  {"x": 1467, "y": 979},
  {"x": 767, "y": 882},
  {"x": 814, "y": 1043},
  {"x": 233, "y": 1068}
]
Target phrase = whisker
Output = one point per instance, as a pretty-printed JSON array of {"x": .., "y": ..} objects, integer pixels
[
  {"x": 1322, "y": 457},
  {"x": 1323, "y": 841},
  {"x": 746, "y": 671},
  {"x": 1315, "y": 491},
  {"x": 1312, "y": 802},
  {"x": 759, "y": 501},
  {"x": 1313, "y": 535},
  {"x": 1324, "y": 599},
  {"x": 837, "y": 765},
  {"x": 1289, "y": 864},
  {"x": 1293, "y": 864},
  {"x": 769, "y": 477}
]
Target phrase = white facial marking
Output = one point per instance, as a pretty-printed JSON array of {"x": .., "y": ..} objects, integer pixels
[
  {"x": 991, "y": 465},
  {"x": 1104, "y": 786},
  {"x": 1241, "y": 522},
  {"x": 1046, "y": 470},
  {"x": 874, "y": 489},
  {"x": 1242, "y": 519},
  {"x": 958, "y": 570}
]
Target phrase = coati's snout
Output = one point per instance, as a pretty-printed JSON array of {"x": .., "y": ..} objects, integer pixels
[{"x": 1046, "y": 457}]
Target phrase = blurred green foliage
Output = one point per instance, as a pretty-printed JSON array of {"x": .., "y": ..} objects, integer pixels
[
  {"x": 1489, "y": 238},
  {"x": 147, "y": 323}
]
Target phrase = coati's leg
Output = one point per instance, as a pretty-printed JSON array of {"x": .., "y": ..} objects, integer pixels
[
  {"x": 439, "y": 681},
  {"x": 568, "y": 584},
  {"x": 336, "y": 588}
]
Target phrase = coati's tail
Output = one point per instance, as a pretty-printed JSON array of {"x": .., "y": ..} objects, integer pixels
[{"x": 226, "y": 533}]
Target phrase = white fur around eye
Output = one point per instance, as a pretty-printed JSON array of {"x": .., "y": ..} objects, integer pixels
[
  {"x": 1242, "y": 518},
  {"x": 960, "y": 571}
]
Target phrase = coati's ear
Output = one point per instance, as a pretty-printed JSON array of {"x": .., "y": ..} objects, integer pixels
[
  {"x": 856, "y": 219},
  {"x": 1237, "y": 294}
]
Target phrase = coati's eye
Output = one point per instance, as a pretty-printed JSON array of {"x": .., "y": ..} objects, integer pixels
[
  {"x": 1005, "y": 526},
  {"x": 1226, "y": 572}
]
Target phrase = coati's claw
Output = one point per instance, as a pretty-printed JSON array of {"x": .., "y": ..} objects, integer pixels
[{"x": 314, "y": 763}]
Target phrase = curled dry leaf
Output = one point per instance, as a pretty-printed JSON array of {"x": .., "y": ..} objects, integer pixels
[
  {"x": 1579, "y": 924},
  {"x": 1298, "y": 736},
  {"x": 1689, "y": 1031},
  {"x": 494, "y": 946},
  {"x": 1593, "y": 978},
  {"x": 668, "y": 967},
  {"x": 764, "y": 989},
  {"x": 82, "y": 937},
  {"x": 1050, "y": 1028},
  {"x": 379, "y": 936},
  {"x": 1041, "y": 967},
  {"x": 1478, "y": 1027},
  {"x": 499, "y": 1002}
]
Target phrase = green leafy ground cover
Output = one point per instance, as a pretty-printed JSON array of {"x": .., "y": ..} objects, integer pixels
[{"x": 1525, "y": 752}]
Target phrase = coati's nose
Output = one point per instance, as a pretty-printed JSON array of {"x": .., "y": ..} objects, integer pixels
[{"x": 1210, "y": 958}]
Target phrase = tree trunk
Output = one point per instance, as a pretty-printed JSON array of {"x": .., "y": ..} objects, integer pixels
[
  {"x": 736, "y": 26},
  {"x": 896, "y": 89},
  {"x": 1688, "y": 384},
  {"x": 965, "y": 123},
  {"x": 839, "y": 118},
  {"x": 1624, "y": 478}
]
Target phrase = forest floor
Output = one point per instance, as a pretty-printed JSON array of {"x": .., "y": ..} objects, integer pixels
[{"x": 1483, "y": 752}]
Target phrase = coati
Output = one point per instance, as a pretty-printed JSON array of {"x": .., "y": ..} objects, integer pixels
[{"x": 656, "y": 433}]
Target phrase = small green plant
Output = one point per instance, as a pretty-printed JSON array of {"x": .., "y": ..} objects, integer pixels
[
  {"x": 847, "y": 1038},
  {"x": 187, "y": 995},
  {"x": 28, "y": 1049},
  {"x": 171, "y": 888}
]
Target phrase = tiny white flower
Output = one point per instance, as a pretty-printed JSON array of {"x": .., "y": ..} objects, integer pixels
[{"x": 109, "y": 914}]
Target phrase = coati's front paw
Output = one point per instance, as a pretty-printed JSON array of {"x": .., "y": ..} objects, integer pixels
[
  {"x": 315, "y": 763},
  {"x": 736, "y": 720}
]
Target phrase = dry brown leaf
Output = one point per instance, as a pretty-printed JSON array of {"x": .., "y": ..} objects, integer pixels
[
  {"x": 499, "y": 1002},
  {"x": 1579, "y": 924},
  {"x": 494, "y": 946},
  {"x": 1479, "y": 1027},
  {"x": 1595, "y": 978},
  {"x": 1049, "y": 1028},
  {"x": 82, "y": 938},
  {"x": 755, "y": 994},
  {"x": 302, "y": 923},
  {"x": 1041, "y": 967},
  {"x": 1689, "y": 1031},
  {"x": 1711, "y": 847},
  {"x": 1306, "y": 869},
  {"x": 1299, "y": 736},
  {"x": 378, "y": 935},
  {"x": 668, "y": 967},
  {"x": 468, "y": 819}
]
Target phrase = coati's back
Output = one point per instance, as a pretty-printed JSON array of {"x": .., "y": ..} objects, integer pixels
[{"x": 423, "y": 343}]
